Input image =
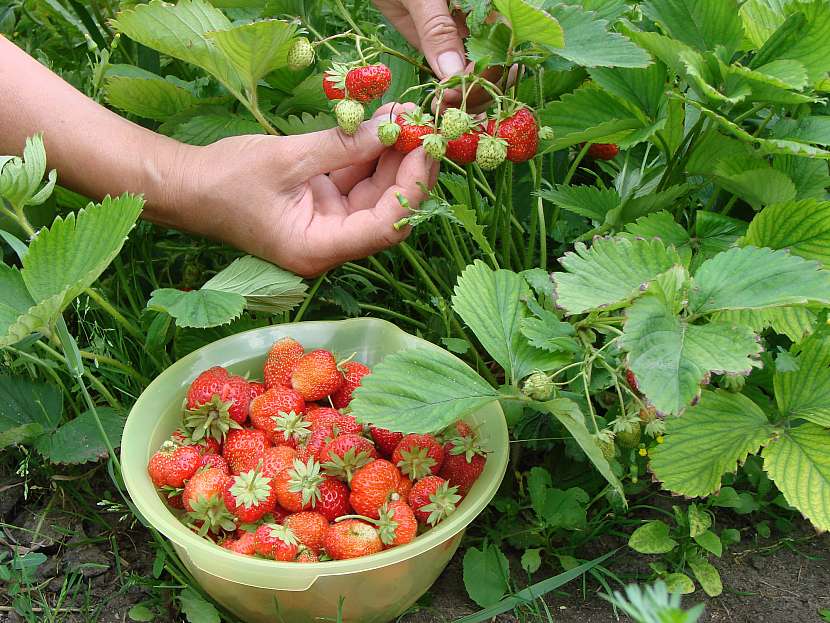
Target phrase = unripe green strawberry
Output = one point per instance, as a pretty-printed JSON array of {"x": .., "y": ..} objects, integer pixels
[
  {"x": 435, "y": 145},
  {"x": 605, "y": 442},
  {"x": 388, "y": 133},
  {"x": 538, "y": 386},
  {"x": 627, "y": 430},
  {"x": 454, "y": 123},
  {"x": 349, "y": 115},
  {"x": 301, "y": 54},
  {"x": 491, "y": 152}
]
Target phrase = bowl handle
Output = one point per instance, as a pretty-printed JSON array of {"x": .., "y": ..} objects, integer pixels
[{"x": 259, "y": 578}]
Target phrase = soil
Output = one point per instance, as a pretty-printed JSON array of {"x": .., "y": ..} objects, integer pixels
[{"x": 783, "y": 579}]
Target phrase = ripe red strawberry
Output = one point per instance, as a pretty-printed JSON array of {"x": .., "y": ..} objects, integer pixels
[
  {"x": 249, "y": 495},
  {"x": 315, "y": 375},
  {"x": 414, "y": 125},
  {"x": 298, "y": 488},
  {"x": 306, "y": 555},
  {"x": 368, "y": 83},
  {"x": 432, "y": 499},
  {"x": 385, "y": 440},
  {"x": 202, "y": 498},
  {"x": 257, "y": 389},
  {"x": 277, "y": 459},
  {"x": 603, "y": 151},
  {"x": 521, "y": 132},
  {"x": 243, "y": 545},
  {"x": 404, "y": 488},
  {"x": 279, "y": 514},
  {"x": 279, "y": 412},
  {"x": 418, "y": 456},
  {"x": 158, "y": 465},
  {"x": 175, "y": 501},
  {"x": 346, "y": 453},
  {"x": 216, "y": 461},
  {"x": 463, "y": 149},
  {"x": 352, "y": 538},
  {"x": 334, "y": 499},
  {"x": 464, "y": 461},
  {"x": 275, "y": 541},
  {"x": 353, "y": 372},
  {"x": 279, "y": 363},
  {"x": 216, "y": 403},
  {"x": 632, "y": 380},
  {"x": 397, "y": 524},
  {"x": 341, "y": 423},
  {"x": 173, "y": 467},
  {"x": 244, "y": 448},
  {"x": 321, "y": 435},
  {"x": 206, "y": 445},
  {"x": 372, "y": 485},
  {"x": 330, "y": 88},
  {"x": 309, "y": 527}
]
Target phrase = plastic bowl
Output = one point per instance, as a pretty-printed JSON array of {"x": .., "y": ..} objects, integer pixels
[{"x": 375, "y": 588}]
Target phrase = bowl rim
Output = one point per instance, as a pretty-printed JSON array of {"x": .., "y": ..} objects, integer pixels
[{"x": 156, "y": 513}]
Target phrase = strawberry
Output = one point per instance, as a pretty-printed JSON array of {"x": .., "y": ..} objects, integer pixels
[
  {"x": 388, "y": 133},
  {"x": 298, "y": 487},
  {"x": 414, "y": 125},
  {"x": 277, "y": 459},
  {"x": 334, "y": 499},
  {"x": 279, "y": 363},
  {"x": 418, "y": 456},
  {"x": 309, "y": 528},
  {"x": 352, "y": 538},
  {"x": 463, "y": 149},
  {"x": 257, "y": 389},
  {"x": 249, "y": 495},
  {"x": 158, "y": 465},
  {"x": 627, "y": 430},
  {"x": 490, "y": 152},
  {"x": 632, "y": 380},
  {"x": 371, "y": 486},
  {"x": 435, "y": 145},
  {"x": 315, "y": 375},
  {"x": 244, "y": 448},
  {"x": 206, "y": 445},
  {"x": 275, "y": 403},
  {"x": 216, "y": 403},
  {"x": 346, "y": 453},
  {"x": 215, "y": 461},
  {"x": 432, "y": 499},
  {"x": 463, "y": 463},
  {"x": 279, "y": 514},
  {"x": 368, "y": 83},
  {"x": 334, "y": 83},
  {"x": 521, "y": 132},
  {"x": 203, "y": 499},
  {"x": 175, "y": 501},
  {"x": 243, "y": 545},
  {"x": 603, "y": 151},
  {"x": 306, "y": 555},
  {"x": 300, "y": 54},
  {"x": 353, "y": 373},
  {"x": 172, "y": 467},
  {"x": 397, "y": 524},
  {"x": 454, "y": 123},
  {"x": 275, "y": 541},
  {"x": 538, "y": 386},
  {"x": 315, "y": 443},
  {"x": 385, "y": 440},
  {"x": 404, "y": 488},
  {"x": 341, "y": 423},
  {"x": 349, "y": 115}
]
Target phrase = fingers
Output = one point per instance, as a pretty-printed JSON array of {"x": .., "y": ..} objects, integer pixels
[
  {"x": 368, "y": 192},
  {"x": 346, "y": 179},
  {"x": 439, "y": 36}
]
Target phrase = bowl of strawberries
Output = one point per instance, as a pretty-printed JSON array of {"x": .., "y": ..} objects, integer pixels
[{"x": 246, "y": 455}]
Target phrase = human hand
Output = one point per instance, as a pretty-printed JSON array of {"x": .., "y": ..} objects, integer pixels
[{"x": 307, "y": 202}]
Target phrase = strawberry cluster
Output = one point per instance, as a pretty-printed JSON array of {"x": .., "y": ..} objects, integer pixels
[
  {"x": 280, "y": 469},
  {"x": 351, "y": 88}
]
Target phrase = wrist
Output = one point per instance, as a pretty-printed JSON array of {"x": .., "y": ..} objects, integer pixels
[{"x": 166, "y": 181}]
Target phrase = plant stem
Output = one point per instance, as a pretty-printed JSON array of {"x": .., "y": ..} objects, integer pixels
[
  {"x": 456, "y": 252},
  {"x": 314, "y": 287},
  {"x": 252, "y": 104},
  {"x": 116, "y": 315},
  {"x": 575, "y": 163},
  {"x": 391, "y": 280},
  {"x": 394, "y": 314},
  {"x": 347, "y": 16},
  {"x": 116, "y": 364},
  {"x": 507, "y": 203}
]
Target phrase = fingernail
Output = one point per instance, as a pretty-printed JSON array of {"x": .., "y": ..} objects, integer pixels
[{"x": 450, "y": 64}]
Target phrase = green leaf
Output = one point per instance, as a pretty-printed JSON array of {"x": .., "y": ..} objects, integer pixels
[
  {"x": 467, "y": 218},
  {"x": 810, "y": 176},
  {"x": 715, "y": 233},
  {"x": 754, "y": 278},
  {"x": 209, "y": 128},
  {"x": 709, "y": 440},
  {"x": 549, "y": 333},
  {"x": 660, "y": 225},
  {"x": 794, "y": 322},
  {"x": 754, "y": 181},
  {"x": 803, "y": 227},
  {"x": 699, "y": 520},
  {"x": 589, "y": 201},
  {"x": 179, "y": 30},
  {"x": 805, "y": 392},
  {"x": 79, "y": 440},
  {"x": 19, "y": 316},
  {"x": 761, "y": 18},
  {"x": 652, "y": 538},
  {"x": 703, "y": 24},
  {"x": 486, "y": 574},
  {"x": 570, "y": 416},
  {"x": 589, "y": 43},
  {"x": 710, "y": 542},
  {"x": 198, "y": 308},
  {"x": 27, "y": 409},
  {"x": 490, "y": 46},
  {"x": 301, "y": 124},
  {"x": 565, "y": 509},
  {"x": 799, "y": 464},
  {"x": 20, "y": 178},
  {"x": 810, "y": 129},
  {"x": 196, "y": 609},
  {"x": 141, "y": 613},
  {"x": 707, "y": 575},
  {"x": 646, "y": 203},
  {"x": 531, "y": 560},
  {"x": 489, "y": 302},
  {"x": 531, "y": 24},
  {"x": 256, "y": 49},
  {"x": 151, "y": 97},
  {"x": 644, "y": 87},
  {"x": 679, "y": 583},
  {"x": 266, "y": 287},
  {"x": 612, "y": 271},
  {"x": 420, "y": 391}
]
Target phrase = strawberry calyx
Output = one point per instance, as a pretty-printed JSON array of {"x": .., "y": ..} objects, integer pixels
[
  {"x": 305, "y": 479},
  {"x": 468, "y": 446},
  {"x": 211, "y": 419},
  {"x": 336, "y": 75},
  {"x": 291, "y": 426},
  {"x": 417, "y": 117},
  {"x": 210, "y": 515},
  {"x": 416, "y": 463},
  {"x": 283, "y": 533},
  {"x": 251, "y": 488},
  {"x": 442, "y": 503},
  {"x": 346, "y": 465}
]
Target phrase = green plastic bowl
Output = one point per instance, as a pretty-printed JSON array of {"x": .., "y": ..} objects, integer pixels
[{"x": 375, "y": 588}]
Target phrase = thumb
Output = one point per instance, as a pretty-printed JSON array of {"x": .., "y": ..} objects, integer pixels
[{"x": 440, "y": 39}]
